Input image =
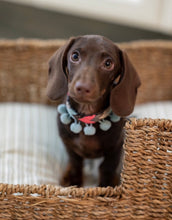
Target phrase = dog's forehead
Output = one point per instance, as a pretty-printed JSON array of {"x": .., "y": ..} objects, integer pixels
[{"x": 94, "y": 42}]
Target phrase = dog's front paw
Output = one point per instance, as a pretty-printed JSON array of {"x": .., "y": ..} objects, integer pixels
[{"x": 71, "y": 177}]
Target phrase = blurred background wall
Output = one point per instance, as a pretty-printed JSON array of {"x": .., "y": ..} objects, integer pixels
[{"x": 120, "y": 20}]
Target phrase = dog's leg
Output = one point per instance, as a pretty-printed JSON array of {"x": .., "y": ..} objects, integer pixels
[
  {"x": 110, "y": 169},
  {"x": 73, "y": 175}
]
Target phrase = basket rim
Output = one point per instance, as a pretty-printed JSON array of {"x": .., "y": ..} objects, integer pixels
[
  {"x": 41, "y": 43},
  {"x": 51, "y": 191},
  {"x": 133, "y": 123}
]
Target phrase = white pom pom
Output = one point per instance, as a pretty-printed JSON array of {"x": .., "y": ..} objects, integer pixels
[
  {"x": 105, "y": 125},
  {"x": 89, "y": 130},
  {"x": 65, "y": 118},
  {"x": 114, "y": 118},
  {"x": 75, "y": 128},
  {"x": 62, "y": 109}
]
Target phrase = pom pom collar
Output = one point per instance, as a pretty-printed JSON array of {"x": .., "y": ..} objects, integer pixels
[{"x": 67, "y": 114}]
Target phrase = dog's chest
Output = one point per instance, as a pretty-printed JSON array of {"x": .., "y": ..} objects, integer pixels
[{"x": 88, "y": 146}]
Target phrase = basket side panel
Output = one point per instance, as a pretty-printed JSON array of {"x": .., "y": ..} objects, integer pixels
[
  {"x": 24, "y": 66},
  {"x": 154, "y": 66},
  {"x": 24, "y": 72},
  {"x": 22, "y": 207},
  {"x": 147, "y": 174}
]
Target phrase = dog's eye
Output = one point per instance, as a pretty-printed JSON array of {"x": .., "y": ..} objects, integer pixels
[
  {"x": 75, "y": 56},
  {"x": 108, "y": 64}
]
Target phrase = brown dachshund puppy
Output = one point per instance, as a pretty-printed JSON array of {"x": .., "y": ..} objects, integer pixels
[{"x": 99, "y": 84}]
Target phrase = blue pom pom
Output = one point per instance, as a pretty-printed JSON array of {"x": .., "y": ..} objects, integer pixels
[
  {"x": 71, "y": 111},
  {"x": 89, "y": 130},
  {"x": 65, "y": 118},
  {"x": 105, "y": 125},
  {"x": 75, "y": 128},
  {"x": 114, "y": 118},
  {"x": 61, "y": 109}
]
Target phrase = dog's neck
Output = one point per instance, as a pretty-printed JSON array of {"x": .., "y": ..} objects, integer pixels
[
  {"x": 89, "y": 115},
  {"x": 90, "y": 108}
]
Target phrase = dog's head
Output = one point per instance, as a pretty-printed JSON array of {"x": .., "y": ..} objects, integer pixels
[{"x": 89, "y": 67}]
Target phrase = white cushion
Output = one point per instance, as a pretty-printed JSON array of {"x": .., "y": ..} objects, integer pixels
[
  {"x": 30, "y": 150},
  {"x": 161, "y": 110}
]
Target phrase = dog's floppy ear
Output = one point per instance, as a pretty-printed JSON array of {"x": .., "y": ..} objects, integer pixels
[
  {"x": 123, "y": 95},
  {"x": 57, "y": 78}
]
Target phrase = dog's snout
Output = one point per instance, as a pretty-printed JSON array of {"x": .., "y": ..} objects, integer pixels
[{"x": 83, "y": 88}]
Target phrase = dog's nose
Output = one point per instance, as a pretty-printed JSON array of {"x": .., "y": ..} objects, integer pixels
[{"x": 82, "y": 88}]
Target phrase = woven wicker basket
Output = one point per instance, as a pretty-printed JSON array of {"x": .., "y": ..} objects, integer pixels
[{"x": 146, "y": 189}]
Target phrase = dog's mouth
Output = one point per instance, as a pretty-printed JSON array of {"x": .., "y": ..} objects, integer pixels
[
  {"x": 82, "y": 99},
  {"x": 90, "y": 104}
]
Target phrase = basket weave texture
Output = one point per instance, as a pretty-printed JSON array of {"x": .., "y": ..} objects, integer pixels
[{"x": 146, "y": 189}]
